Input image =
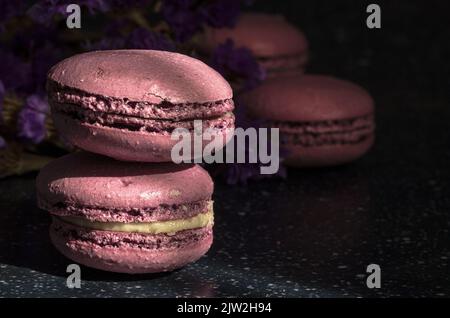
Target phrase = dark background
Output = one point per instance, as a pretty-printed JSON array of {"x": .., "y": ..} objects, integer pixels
[
  {"x": 313, "y": 234},
  {"x": 408, "y": 52}
]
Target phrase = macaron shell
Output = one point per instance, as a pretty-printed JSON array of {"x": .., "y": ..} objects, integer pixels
[
  {"x": 327, "y": 155},
  {"x": 306, "y": 98},
  {"x": 86, "y": 179},
  {"x": 142, "y": 75},
  {"x": 123, "y": 144},
  {"x": 265, "y": 35},
  {"x": 132, "y": 260},
  {"x": 284, "y": 66}
]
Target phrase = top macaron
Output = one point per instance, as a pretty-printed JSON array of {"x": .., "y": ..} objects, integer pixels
[
  {"x": 141, "y": 76},
  {"x": 125, "y": 103},
  {"x": 278, "y": 45}
]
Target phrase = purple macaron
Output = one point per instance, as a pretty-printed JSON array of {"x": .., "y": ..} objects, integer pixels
[
  {"x": 278, "y": 46},
  {"x": 323, "y": 120},
  {"x": 126, "y": 103},
  {"x": 127, "y": 217}
]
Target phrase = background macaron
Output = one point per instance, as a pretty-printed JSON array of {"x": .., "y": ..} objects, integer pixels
[
  {"x": 125, "y": 103},
  {"x": 278, "y": 46},
  {"x": 127, "y": 217},
  {"x": 322, "y": 120}
]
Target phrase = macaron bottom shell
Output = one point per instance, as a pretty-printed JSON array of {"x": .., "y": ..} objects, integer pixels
[
  {"x": 116, "y": 251},
  {"x": 123, "y": 144},
  {"x": 326, "y": 155}
]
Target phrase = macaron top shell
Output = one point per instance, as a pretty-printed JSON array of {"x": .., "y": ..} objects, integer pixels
[
  {"x": 142, "y": 75},
  {"x": 308, "y": 98},
  {"x": 265, "y": 35},
  {"x": 86, "y": 179}
]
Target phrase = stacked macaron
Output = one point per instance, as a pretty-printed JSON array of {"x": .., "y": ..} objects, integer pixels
[
  {"x": 125, "y": 104},
  {"x": 127, "y": 217},
  {"x": 147, "y": 214}
]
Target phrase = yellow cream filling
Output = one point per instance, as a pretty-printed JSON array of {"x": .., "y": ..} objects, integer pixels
[{"x": 169, "y": 227}]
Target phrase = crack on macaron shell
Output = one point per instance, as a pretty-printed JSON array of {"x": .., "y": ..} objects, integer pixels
[
  {"x": 133, "y": 123},
  {"x": 163, "y": 110},
  {"x": 161, "y": 213}
]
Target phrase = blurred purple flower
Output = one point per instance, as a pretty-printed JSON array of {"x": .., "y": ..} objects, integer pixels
[
  {"x": 186, "y": 17},
  {"x": 183, "y": 17},
  {"x": 242, "y": 173},
  {"x": 15, "y": 73},
  {"x": 221, "y": 13},
  {"x": 128, "y": 3},
  {"x": 44, "y": 11},
  {"x": 2, "y": 142},
  {"x": 142, "y": 38},
  {"x": 31, "y": 126},
  {"x": 37, "y": 103},
  {"x": 31, "y": 121},
  {"x": 237, "y": 64}
]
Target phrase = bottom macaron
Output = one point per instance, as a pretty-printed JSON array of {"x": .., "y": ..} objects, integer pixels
[
  {"x": 322, "y": 120},
  {"x": 127, "y": 217}
]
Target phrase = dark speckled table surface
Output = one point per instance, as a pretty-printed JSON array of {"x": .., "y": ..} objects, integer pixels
[{"x": 313, "y": 234}]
